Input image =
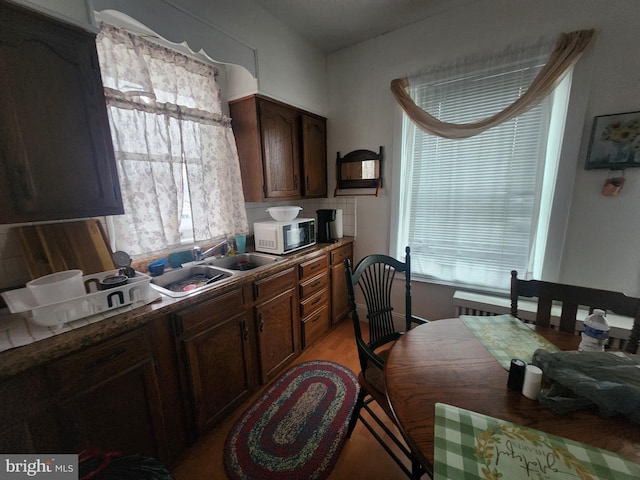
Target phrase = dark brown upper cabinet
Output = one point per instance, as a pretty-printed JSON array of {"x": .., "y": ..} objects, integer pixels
[
  {"x": 282, "y": 150},
  {"x": 56, "y": 155}
]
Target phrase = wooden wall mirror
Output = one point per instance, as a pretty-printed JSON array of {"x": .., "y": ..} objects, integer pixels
[{"x": 359, "y": 169}]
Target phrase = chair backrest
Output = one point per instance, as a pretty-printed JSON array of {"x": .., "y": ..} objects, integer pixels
[
  {"x": 374, "y": 275},
  {"x": 571, "y": 297}
]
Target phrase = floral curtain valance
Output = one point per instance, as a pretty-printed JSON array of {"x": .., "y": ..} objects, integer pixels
[{"x": 568, "y": 49}]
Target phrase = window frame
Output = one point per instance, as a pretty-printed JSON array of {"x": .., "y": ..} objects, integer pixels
[{"x": 547, "y": 265}]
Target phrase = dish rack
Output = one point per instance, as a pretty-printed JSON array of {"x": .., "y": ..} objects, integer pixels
[{"x": 22, "y": 301}]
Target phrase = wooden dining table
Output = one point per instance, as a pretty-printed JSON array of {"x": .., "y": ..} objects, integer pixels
[{"x": 443, "y": 362}]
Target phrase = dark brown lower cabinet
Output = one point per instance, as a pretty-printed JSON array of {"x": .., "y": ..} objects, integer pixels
[
  {"x": 107, "y": 396},
  {"x": 215, "y": 340},
  {"x": 28, "y": 420},
  {"x": 339, "y": 296},
  {"x": 276, "y": 322}
]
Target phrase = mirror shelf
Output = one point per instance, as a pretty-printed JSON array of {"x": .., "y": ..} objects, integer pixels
[{"x": 359, "y": 169}]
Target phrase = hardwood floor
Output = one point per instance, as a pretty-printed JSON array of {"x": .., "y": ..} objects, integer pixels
[{"x": 361, "y": 457}]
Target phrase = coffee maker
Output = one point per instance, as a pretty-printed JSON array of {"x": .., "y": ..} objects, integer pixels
[{"x": 325, "y": 217}]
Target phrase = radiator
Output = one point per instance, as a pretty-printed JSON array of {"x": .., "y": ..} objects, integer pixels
[
  {"x": 468, "y": 303},
  {"x": 478, "y": 312}
]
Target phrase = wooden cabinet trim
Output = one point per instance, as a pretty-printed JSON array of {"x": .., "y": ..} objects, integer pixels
[
  {"x": 112, "y": 357},
  {"x": 340, "y": 254},
  {"x": 275, "y": 284},
  {"x": 315, "y": 325},
  {"x": 313, "y": 285},
  {"x": 210, "y": 311},
  {"x": 314, "y": 302},
  {"x": 313, "y": 267}
]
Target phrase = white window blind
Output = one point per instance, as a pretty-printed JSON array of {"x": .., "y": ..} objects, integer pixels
[{"x": 469, "y": 208}]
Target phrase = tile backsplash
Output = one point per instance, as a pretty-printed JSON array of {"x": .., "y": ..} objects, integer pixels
[{"x": 13, "y": 268}]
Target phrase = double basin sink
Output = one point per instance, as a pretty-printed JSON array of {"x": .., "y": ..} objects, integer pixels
[{"x": 197, "y": 276}]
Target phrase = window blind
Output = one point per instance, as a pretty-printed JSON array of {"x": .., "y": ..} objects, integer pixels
[{"x": 472, "y": 205}]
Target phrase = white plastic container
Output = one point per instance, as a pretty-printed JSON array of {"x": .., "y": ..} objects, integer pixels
[
  {"x": 57, "y": 287},
  {"x": 595, "y": 332},
  {"x": 284, "y": 214},
  {"x": 335, "y": 227}
]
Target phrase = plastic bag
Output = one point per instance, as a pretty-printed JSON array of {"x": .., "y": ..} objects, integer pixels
[{"x": 607, "y": 380}]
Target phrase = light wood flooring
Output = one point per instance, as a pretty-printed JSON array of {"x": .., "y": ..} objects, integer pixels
[{"x": 361, "y": 457}]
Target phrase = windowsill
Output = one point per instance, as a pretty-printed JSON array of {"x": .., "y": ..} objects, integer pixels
[
  {"x": 620, "y": 326},
  {"x": 456, "y": 285}
]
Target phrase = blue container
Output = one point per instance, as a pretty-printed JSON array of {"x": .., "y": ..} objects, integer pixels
[{"x": 157, "y": 267}]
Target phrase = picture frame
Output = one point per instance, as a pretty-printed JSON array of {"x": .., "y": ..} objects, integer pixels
[{"x": 615, "y": 142}]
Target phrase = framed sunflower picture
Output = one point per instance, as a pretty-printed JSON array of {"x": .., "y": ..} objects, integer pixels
[{"x": 615, "y": 142}]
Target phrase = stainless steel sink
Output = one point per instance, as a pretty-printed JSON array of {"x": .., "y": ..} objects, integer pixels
[
  {"x": 244, "y": 261},
  {"x": 184, "y": 281}
]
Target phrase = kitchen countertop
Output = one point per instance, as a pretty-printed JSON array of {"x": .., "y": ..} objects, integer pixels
[{"x": 19, "y": 359}]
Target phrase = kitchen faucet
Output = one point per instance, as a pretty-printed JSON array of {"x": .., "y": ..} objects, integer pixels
[{"x": 199, "y": 255}]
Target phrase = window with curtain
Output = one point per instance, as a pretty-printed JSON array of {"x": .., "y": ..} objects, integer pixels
[
  {"x": 474, "y": 209},
  {"x": 177, "y": 161}
]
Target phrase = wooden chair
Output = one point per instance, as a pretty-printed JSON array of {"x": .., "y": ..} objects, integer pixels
[
  {"x": 571, "y": 297},
  {"x": 374, "y": 275}
]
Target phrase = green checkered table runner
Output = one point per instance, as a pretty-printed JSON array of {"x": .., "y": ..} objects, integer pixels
[
  {"x": 507, "y": 337},
  {"x": 470, "y": 446}
]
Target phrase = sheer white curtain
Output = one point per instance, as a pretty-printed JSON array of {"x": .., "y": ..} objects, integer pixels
[{"x": 166, "y": 119}]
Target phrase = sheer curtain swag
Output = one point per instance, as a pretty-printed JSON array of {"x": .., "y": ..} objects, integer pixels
[{"x": 567, "y": 51}]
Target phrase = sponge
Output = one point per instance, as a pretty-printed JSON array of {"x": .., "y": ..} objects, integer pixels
[{"x": 177, "y": 259}]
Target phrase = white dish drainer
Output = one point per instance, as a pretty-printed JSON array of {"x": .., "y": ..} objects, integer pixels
[{"x": 21, "y": 301}]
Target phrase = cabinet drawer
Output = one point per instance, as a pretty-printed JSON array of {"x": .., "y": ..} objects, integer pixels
[
  {"x": 315, "y": 325},
  {"x": 340, "y": 254},
  {"x": 314, "y": 302},
  {"x": 89, "y": 367},
  {"x": 313, "y": 267},
  {"x": 314, "y": 285},
  {"x": 211, "y": 311},
  {"x": 274, "y": 285}
]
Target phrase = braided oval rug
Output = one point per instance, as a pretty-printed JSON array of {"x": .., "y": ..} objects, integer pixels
[{"x": 297, "y": 428}]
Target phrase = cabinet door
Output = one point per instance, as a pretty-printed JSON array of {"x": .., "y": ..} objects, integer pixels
[
  {"x": 56, "y": 155},
  {"x": 28, "y": 420},
  {"x": 314, "y": 156},
  {"x": 280, "y": 154},
  {"x": 108, "y": 397},
  {"x": 277, "y": 333},
  {"x": 218, "y": 363},
  {"x": 339, "y": 295},
  {"x": 121, "y": 414},
  {"x": 215, "y": 338}
]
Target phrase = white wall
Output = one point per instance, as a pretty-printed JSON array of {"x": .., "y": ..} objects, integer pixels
[
  {"x": 289, "y": 68},
  {"x": 603, "y": 236}
]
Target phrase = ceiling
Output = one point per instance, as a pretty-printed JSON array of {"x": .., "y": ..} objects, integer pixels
[{"x": 335, "y": 24}]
